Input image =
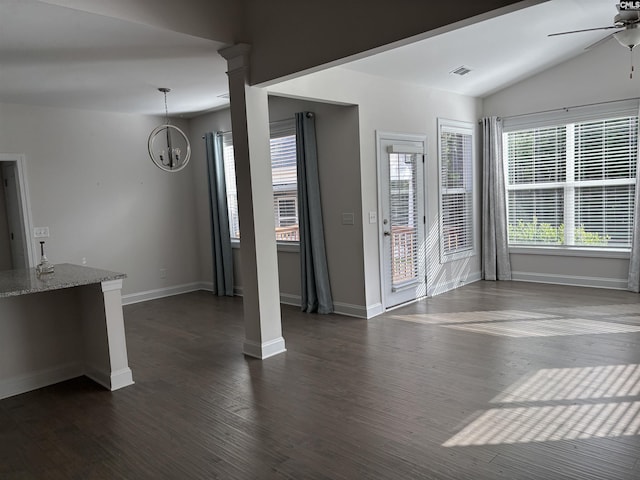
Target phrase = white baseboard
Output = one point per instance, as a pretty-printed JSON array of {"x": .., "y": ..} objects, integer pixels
[
  {"x": 289, "y": 299},
  {"x": 98, "y": 376},
  {"x": 121, "y": 378},
  {"x": 265, "y": 349},
  {"x": 572, "y": 280},
  {"x": 132, "y": 298},
  {"x": 347, "y": 309},
  {"x": 453, "y": 284},
  {"x": 374, "y": 310},
  {"x": 357, "y": 311},
  {"x": 17, "y": 385}
]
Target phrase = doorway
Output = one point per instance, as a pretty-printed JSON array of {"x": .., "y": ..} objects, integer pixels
[
  {"x": 402, "y": 214},
  {"x": 15, "y": 215}
]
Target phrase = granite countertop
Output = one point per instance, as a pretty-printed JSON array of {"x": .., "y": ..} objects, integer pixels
[{"x": 66, "y": 275}]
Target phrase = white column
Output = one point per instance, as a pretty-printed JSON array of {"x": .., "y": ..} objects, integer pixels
[
  {"x": 103, "y": 335},
  {"x": 120, "y": 375},
  {"x": 258, "y": 253}
]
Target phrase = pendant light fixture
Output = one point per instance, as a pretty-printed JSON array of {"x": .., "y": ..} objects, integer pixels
[{"x": 169, "y": 147}]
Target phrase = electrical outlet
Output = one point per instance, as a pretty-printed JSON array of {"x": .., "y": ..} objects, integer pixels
[
  {"x": 163, "y": 273},
  {"x": 41, "y": 232},
  {"x": 84, "y": 260}
]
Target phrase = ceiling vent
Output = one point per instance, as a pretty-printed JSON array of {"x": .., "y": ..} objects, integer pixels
[{"x": 462, "y": 71}]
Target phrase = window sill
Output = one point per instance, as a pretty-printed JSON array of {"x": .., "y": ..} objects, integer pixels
[
  {"x": 288, "y": 247},
  {"x": 452, "y": 257},
  {"x": 292, "y": 247},
  {"x": 571, "y": 252}
]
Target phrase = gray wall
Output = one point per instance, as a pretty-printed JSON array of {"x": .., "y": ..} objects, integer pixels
[
  {"x": 219, "y": 20},
  {"x": 92, "y": 183},
  {"x": 290, "y": 36},
  {"x": 219, "y": 121},
  {"x": 598, "y": 75},
  {"x": 5, "y": 246},
  {"x": 339, "y": 167}
]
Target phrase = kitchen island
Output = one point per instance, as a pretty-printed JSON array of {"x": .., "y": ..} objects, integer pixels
[{"x": 58, "y": 326}]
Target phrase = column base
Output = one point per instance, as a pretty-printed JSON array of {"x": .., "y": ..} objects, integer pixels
[
  {"x": 110, "y": 380},
  {"x": 265, "y": 349}
]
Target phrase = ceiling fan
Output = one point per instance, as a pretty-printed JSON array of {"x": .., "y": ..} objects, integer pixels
[{"x": 626, "y": 25}]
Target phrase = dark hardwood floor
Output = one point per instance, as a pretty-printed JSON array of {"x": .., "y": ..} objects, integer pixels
[{"x": 490, "y": 381}]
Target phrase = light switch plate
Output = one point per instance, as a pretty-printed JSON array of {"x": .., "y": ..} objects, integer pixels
[
  {"x": 41, "y": 232},
  {"x": 347, "y": 218}
]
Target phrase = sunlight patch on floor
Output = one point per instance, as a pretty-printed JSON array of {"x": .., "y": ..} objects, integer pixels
[
  {"x": 550, "y": 423},
  {"x": 615, "y": 309},
  {"x": 549, "y": 384},
  {"x": 465, "y": 317},
  {"x": 546, "y": 328}
]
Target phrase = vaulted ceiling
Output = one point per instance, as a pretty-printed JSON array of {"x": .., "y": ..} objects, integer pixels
[{"x": 64, "y": 57}]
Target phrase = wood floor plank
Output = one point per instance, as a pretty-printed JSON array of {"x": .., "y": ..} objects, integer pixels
[{"x": 387, "y": 398}]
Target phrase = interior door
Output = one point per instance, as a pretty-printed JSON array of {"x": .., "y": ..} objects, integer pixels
[
  {"x": 18, "y": 242},
  {"x": 401, "y": 165}
]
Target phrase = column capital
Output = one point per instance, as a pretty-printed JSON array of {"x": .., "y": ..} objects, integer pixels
[{"x": 237, "y": 56}]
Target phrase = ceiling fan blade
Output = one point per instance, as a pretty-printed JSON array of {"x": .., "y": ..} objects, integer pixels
[
  {"x": 584, "y": 30},
  {"x": 599, "y": 42}
]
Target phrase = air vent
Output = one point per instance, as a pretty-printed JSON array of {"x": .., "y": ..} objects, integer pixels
[{"x": 461, "y": 71}]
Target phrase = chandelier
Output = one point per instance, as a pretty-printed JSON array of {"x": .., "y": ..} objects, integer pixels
[{"x": 169, "y": 147}]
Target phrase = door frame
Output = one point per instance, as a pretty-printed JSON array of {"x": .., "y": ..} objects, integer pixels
[
  {"x": 25, "y": 205},
  {"x": 380, "y": 157}
]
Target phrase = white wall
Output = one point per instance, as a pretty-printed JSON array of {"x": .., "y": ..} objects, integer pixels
[
  {"x": 598, "y": 75},
  {"x": 391, "y": 107},
  {"x": 92, "y": 183}
]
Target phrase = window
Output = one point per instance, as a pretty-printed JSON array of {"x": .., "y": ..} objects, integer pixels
[
  {"x": 572, "y": 184},
  {"x": 284, "y": 180},
  {"x": 456, "y": 189},
  {"x": 230, "y": 182}
]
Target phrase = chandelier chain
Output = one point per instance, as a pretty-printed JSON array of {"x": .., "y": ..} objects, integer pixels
[{"x": 166, "y": 109}]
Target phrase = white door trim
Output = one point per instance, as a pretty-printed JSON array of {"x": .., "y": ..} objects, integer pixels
[
  {"x": 25, "y": 204},
  {"x": 381, "y": 156}
]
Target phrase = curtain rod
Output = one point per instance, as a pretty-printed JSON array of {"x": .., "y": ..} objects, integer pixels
[
  {"x": 275, "y": 122},
  {"x": 566, "y": 109},
  {"x": 219, "y": 133}
]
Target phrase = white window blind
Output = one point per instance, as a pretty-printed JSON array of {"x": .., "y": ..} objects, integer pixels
[
  {"x": 230, "y": 182},
  {"x": 284, "y": 180},
  {"x": 403, "y": 198},
  {"x": 456, "y": 188},
  {"x": 572, "y": 184}
]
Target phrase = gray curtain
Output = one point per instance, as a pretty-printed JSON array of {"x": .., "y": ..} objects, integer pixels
[
  {"x": 634, "y": 264},
  {"x": 495, "y": 250},
  {"x": 220, "y": 234},
  {"x": 315, "y": 288}
]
